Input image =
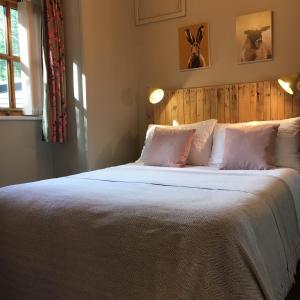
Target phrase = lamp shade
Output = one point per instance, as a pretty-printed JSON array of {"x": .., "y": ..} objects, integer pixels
[
  {"x": 156, "y": 95},
  {"x": 290, "y": 83}
]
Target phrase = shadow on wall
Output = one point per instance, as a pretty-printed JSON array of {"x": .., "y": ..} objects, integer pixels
[
  {"x": 71, "y": 157},
  {"x": 24, "y": 157},
  {"x": 114, "y": 155},
  {"x": 122, "y": 145}
]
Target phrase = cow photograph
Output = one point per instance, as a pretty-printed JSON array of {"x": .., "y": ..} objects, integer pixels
[
  {"x": 193, "y": 46},
  {"x": 254, "y": 37}
]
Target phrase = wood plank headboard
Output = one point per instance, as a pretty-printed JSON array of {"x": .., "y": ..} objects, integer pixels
[{"x": 231, "y": 103}]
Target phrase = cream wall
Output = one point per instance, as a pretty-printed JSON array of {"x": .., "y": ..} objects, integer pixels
[
  {"x": 101, "y": 50},
  {"x": 71, "y": 157},
  {"x": 158, "y": 47},
  {"x": 100, "y": 39},
  {"x": 119, "y": 61},
  {"x": 23, "y": 155},
  {"x": 110, "y": 66}
]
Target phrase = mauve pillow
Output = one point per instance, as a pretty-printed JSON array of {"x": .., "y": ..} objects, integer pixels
[
  {"x": 249, "y": 148},
  {"x": 169, "y": 147},
  {"x": 201, "y": 145}
]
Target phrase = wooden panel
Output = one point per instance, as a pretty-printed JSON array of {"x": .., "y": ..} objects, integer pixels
[
  {"x": 274, "y": 101},
  {"x": 221, "y": 104},
  {"x": 260, "y": 102},
  {"x": 296, "y": 105},
  {"x": 233, "y": 103},
  {"x": 162, "y": 112},
  {"x": 234, "y": 108},
  {"x": 174, "y": 104},
  {"x": 186, "y": 106},
  {"x": 200, "y": 104},
  {"x": 180, "y": 111},
  {"x": 213, "y": 99},
  {"x": 247, "y": 99},
  {"x": 280, "y": 103},
  {"x": 267, "y": 100},
  {"x": 193, "y": 104},
  {"x": 288, "y": 106},
  {"x": 168, "y": 108},
  {"x": 227, "y": 103},
  {"x": 206, "y": 107}
]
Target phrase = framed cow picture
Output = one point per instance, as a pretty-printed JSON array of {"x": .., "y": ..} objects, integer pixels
[
  {"x": 194, "y": 46},
  {"x": 254, "y": 37}
]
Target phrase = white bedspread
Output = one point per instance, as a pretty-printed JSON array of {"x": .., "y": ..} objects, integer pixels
[{"x": 136, "y": 232}]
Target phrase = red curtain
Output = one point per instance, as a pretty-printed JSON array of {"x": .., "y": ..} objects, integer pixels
[{"x": 55, "y": 103}]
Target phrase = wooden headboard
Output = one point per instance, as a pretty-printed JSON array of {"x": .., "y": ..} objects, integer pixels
[{"x": 231, "y": 103}]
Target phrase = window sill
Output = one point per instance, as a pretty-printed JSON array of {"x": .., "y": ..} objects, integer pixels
[{"x": 20, "y": 118}]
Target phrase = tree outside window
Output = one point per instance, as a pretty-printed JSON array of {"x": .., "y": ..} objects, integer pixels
[{"x": 11, "y": 96}]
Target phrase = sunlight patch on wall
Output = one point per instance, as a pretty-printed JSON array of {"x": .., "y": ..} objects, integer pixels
[
  {"x": 75, "y": 82},
  {"x": 84, "y": 91}
]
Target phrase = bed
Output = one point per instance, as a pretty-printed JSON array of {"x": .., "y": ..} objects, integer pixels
[
  {"x": 144, "y": 232},
  {"x": 141, "y": 232}
]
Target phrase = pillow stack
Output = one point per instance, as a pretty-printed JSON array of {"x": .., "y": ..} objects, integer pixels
[
  {"x": 201, "y": 145},
  {"x": 252, "y": 145},
  {"x": 286, "y": 148}
]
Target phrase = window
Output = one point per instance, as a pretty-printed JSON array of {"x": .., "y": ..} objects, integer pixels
[{"x": 11, "y": 96}]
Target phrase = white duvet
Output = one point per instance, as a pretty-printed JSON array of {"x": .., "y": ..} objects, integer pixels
[{"x": 136, "y": 232}]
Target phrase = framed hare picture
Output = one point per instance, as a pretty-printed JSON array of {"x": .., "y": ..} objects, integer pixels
[
  {"x": 254, "y": 37},
  {"x": 194, "y": 46}
]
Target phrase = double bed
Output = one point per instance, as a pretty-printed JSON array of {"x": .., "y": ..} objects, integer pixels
[
  {"x": 142, "y": 232},
  {"x": 145, "y": 232}
]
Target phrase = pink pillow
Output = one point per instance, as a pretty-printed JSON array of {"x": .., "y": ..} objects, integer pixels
[
  {"x": 249, "y": 148},
  {"x": 169, "y": 147}
]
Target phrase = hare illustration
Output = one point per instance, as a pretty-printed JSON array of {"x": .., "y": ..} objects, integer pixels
[{"x": 196, "y": 60}]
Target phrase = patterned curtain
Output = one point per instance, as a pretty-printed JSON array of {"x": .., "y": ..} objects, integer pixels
[{"x": 55, "y": 104}]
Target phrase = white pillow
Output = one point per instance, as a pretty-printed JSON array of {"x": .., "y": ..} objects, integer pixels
[
  {"x": 287, "y": 148},
  {"x": 201, "y": 146}
]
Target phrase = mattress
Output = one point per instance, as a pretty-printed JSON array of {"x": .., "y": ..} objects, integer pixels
[{"x": 137, "y": 232}]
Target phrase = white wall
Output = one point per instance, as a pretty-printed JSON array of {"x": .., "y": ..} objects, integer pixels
[
  {"x": 23, "y": 155},
  {"x": 158, "y": 47}
]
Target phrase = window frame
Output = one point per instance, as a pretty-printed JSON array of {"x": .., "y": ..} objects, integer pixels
[{"x": 10, "y": 59}]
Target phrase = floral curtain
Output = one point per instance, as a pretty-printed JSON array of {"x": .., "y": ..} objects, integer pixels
[{"x": 55, "y": 103}]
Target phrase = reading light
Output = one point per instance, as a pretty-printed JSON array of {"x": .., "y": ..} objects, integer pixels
[
  {"x": 175, "y": 123},
  {"x": 156, "y": 95},
  {"x": 290, "y": 83}
]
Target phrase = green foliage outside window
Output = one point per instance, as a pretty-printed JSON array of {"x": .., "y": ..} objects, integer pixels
[{"x": 15, "y": 41}]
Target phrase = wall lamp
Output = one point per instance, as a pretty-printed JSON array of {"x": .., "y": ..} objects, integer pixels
[
  {"x": 290, "y": 83},
  {"x": 156, "y": 95}
]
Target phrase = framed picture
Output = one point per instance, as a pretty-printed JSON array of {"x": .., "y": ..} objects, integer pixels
[
  {"x": 194, "y": 46},
  {"x": 156, "y": 10},
  {"x": 254, "y": 37}
]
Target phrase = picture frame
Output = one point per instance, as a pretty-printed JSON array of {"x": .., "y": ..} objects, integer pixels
[
  {"x": 254, "y": 37},
  {"x": 157, "y": 10},
  {"x": 194, "y": 52}
]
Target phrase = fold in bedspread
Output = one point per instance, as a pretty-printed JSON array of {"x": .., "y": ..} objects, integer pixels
[{"x": 135, "y": 232}]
